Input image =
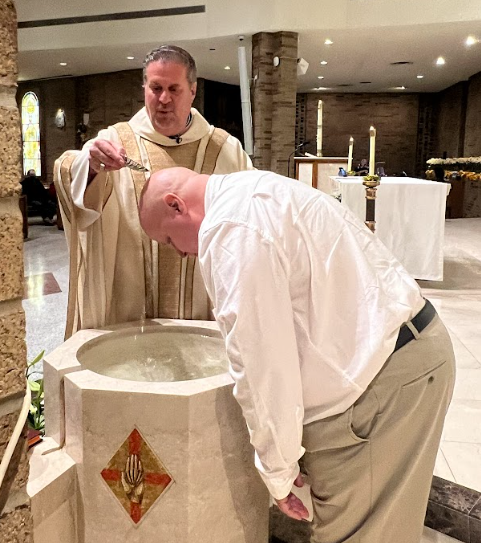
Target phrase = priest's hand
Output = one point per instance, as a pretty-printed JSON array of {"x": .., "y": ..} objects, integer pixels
[
  {"x": 292, "y": 506},
  {"x": 106, "y": 155}
]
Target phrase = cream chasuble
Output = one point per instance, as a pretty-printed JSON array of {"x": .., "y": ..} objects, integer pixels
[{"x": 116, "y": 273}]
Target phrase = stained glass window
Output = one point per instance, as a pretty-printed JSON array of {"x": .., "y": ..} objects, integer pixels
[{"x": 31, "y": 133}]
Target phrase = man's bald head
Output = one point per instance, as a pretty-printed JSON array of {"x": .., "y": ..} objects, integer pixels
[{"x": 171, "y": 208}]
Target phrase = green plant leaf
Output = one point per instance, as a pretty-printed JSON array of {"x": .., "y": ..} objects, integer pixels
[
  {"x": 34, "y": 386},
  {"x": 36, "y": 360}
]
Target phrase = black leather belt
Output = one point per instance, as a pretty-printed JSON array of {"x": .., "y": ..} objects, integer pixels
[{"x": 420, "y": 321}]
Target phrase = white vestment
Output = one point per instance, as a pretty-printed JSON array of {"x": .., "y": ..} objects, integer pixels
[{"x": 116, "y": 273}]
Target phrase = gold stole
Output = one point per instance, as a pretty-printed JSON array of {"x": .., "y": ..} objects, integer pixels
[
  {"x": 62, "y": 186},
  {"x": 175, "y": 275}
]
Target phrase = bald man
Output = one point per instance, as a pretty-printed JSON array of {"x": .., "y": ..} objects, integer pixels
[{"x": 335, "y": 354}]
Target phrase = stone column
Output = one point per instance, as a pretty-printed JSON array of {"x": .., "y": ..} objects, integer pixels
[
  {"x": 15, "y": 518},
  {"x": 274, "y": 99}
]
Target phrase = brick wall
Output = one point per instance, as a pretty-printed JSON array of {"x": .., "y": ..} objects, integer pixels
[
  {"x": 262, "y": 74},
  {"x": 15, "y": 518},
  {"x": 274, "y": 99},
  {"x": 395, "y": 117},
  {"x": 109, "y": 98},
  {"x": 222, "y": 107},
  {"x": 449, "y": 118},
  {"x": 472, "y": 139}
]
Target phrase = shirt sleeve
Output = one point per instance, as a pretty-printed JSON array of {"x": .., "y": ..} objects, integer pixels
[{"x": 246, "y": 276}]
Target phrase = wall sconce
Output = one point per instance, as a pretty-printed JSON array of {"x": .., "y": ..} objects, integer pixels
[
  {"x": 60, "y": 118},
  {"x": 302, "y": 64}
]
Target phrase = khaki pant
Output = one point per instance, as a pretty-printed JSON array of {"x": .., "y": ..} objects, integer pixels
[{"x": 371, "y": 467}]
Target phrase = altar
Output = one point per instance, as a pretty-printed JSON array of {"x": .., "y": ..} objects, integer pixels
[{"x": 410, "y": 215}]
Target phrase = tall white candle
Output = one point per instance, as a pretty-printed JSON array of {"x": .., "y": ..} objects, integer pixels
[
  {"x": 372, "y": 150},
  {"x": 319, "y": 128},
  {"x": 349, "y": 158}
]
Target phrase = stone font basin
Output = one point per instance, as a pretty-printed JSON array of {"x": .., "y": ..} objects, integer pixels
[
  {"x": 162, "y": 354},
  {"x": 150, "y": 433}
]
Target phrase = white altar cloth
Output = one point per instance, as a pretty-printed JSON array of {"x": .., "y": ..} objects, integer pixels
[{"x": 409, "y": 219}]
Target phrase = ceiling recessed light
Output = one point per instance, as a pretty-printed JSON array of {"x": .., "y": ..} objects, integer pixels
[
  {"x": 401, "y": 87},
  {"x": 328, "y": 42},
  {"x": 322, "y": 88},
  {"x": 420, "y": 76},
  {"x": 130, "y": 58},
  {"x": 323, "y": 62},
  {"x": 320, "y": 77},
  {"x": 63, "y": 63},
  {"x": 440, "y": 61},
  {"x": 226, "y": 67},
  {"x": 471, "y": 40}
]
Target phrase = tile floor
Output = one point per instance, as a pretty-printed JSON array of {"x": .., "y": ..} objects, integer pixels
[
  {"x": 431, "y": 536},
  {"x": 457, "y": 299}
]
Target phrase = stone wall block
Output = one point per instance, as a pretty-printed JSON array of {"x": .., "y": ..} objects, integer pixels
[
  {"x": 11, "y": 256},
  {"x": 16, "y": 527},
  {"x": 10, "y": 149},
  {"x": 13, "y": 353},
  {"x": 8, "y": 39}
]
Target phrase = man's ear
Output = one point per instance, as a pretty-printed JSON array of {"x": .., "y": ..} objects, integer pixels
[
  {"x": 174, "y": 202},
  {"x": 193, "y": 90}
]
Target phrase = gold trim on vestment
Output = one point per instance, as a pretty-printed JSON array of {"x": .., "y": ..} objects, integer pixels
[
  {"x": 63, "y": 190},
  {"x": 129, "y": 142}
]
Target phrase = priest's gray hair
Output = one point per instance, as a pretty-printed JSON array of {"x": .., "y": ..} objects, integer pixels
[{"x": 172, "y": 53}]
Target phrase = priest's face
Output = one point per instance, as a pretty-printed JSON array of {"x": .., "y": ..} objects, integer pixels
[{"x": 168, "y": 97}]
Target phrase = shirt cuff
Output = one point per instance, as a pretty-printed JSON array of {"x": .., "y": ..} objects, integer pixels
[{"x": 280, "y": 484}]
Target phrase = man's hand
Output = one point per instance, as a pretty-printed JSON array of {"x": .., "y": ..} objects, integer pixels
[
  {"x": 106, "y": 155},
  {"x": 292, "y": 506}
]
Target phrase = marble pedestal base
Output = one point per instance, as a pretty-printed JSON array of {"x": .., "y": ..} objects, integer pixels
[{"x": 198, "y": 481}]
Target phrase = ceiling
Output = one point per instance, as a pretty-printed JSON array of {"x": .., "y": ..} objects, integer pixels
[{"x": 358, "y": 54}]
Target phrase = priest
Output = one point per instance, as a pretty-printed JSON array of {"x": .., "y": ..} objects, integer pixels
[{"x": 116, "y": 273}]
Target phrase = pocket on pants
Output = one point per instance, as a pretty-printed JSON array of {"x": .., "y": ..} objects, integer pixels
[
  {"x": 363, "y": 415},
  {"x": 428, "y": 376},
  {"x": 423, "y": 392},
  {"x": 331, "y": 433}
]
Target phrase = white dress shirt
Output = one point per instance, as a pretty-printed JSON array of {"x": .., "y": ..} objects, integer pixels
[{"x": 309, "y": 302}]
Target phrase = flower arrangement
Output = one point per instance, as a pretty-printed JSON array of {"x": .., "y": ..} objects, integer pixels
[
  {"x": 451, "y": 169},
  {"x": 453, "y": 175},
  {"x": 372, "y": 178},
  {"x": 454, "y": 161},
  {"x": 466, "y": 165}
]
